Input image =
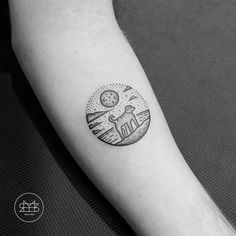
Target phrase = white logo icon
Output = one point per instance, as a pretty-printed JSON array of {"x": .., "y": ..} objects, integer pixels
[{"x": 28, "y": 207}]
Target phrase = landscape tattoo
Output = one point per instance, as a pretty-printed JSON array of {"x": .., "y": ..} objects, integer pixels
[{"x": 118, "y": 115}]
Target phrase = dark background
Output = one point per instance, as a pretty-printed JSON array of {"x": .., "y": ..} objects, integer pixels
[{"x": 188, "y": 51}]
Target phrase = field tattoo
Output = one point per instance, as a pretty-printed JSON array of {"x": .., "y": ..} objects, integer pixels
[{"x": 117, "y": 114}]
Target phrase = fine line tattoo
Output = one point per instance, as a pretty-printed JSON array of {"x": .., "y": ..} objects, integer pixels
[{"x": 117, "y": 114}]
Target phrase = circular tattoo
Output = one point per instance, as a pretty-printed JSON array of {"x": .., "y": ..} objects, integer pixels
[{"x": 118, "y": 115}]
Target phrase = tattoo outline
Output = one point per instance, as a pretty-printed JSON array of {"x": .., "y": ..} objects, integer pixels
[{"x": 117, "y": 114}]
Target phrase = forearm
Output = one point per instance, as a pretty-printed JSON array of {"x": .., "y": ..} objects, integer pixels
[{"x": 68, "y": 51}]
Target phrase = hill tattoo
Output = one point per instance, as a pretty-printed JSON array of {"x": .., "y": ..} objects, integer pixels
[{"x": 118, "y": 115}]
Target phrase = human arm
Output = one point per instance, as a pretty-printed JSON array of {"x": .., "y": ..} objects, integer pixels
[{"x": 70, "y": 49}]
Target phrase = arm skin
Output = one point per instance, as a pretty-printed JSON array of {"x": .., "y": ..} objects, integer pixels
[{"x": 70, "y": 48}]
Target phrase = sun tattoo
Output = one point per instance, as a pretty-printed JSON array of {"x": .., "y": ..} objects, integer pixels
[{"x": 117, "y": 114}]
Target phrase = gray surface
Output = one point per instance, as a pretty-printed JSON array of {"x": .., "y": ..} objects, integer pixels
[
  {"x": 188, "y": 50},
  {"x": 32, "y": 159}
]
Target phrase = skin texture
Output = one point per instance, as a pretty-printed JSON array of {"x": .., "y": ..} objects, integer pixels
[{"x": 68, "y": 49}]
